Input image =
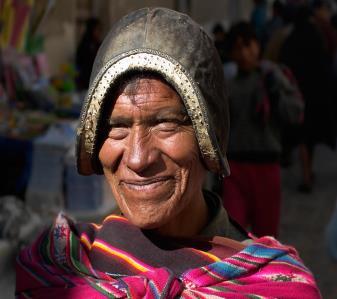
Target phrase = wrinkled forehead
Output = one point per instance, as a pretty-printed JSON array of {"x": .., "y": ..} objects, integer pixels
[
  {"x": 148, "y": 91},
  {"x": 134, "y": 82}
]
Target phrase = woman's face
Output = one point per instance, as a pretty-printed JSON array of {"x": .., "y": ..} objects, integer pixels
[
  {"x": 151, "y": 157},
  {"x": 246, "y": 54}
]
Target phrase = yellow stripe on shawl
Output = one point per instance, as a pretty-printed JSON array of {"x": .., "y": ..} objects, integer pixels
[
  {"x": 212, "y": 257},
  {"x": 115, "y": 217},
  {"x": 131, "y": 261},
  {"x": 85, "y": 241},
  {"x": 96, "y": 226},
  {"x": 110, "y": 217}
]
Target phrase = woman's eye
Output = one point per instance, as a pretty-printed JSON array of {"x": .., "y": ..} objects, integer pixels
[
  {"x": 168, "y": 125},
  {"x": 118, "y": 131}
]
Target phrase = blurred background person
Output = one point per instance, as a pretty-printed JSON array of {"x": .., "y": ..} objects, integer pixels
[
  {"x": 277, "y": 29},
  {"x": 259, "y": 17},
  {"x": 276, "y": 21},
  {"x": 321, "y": 13},
  {"x": 305, "y": 53},
  {"x": 86, "y": 52},
  {"x": 252, "y": 193},
  {"x": 219, "y": 36}
]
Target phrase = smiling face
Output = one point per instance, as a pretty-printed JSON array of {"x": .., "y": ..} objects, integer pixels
[{"x": 152, "y": 162}]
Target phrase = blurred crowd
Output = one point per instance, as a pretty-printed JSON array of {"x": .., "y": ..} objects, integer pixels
[{"x": 280, "y": 73}]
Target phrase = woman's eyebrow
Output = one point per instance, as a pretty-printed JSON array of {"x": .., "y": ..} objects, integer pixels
[
  {"x": 171, "y": 112},
  {"x": 113, "y": 120},
  {"x": 161, "y": 114}
]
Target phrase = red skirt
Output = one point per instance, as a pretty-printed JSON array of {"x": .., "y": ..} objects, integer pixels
[{"x": 252, "y": 196}]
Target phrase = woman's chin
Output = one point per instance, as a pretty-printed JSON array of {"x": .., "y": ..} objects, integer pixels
[
  {"x": 146, "y": 223},
  {"x": 149, "y": 215}
]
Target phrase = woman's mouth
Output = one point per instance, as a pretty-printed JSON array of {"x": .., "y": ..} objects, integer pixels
[{"x": 146, "y": 184}]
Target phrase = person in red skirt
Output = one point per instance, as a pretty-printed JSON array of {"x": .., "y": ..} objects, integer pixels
[{"x": 262, "y": 99}]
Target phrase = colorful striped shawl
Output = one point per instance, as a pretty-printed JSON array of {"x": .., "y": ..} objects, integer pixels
[{"x": 63, "y": 263}]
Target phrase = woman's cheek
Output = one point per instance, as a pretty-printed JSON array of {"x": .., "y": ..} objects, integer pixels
[
  {"x": 109, "y": 153},
  {"x": 182, "y": 147}
]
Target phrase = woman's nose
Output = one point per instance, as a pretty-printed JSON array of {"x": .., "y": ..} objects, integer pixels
[{"x": 141, "y": 153}]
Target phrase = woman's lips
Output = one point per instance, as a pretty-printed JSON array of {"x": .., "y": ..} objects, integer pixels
[
  {"x": 144, "y": 185},
  {"x": 150, "y": 190}
]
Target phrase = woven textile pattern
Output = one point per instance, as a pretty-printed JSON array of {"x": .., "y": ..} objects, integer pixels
[{"x": 60, "y": 265}]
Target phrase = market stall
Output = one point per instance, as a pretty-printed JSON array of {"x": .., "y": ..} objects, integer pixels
[{"x": 38, "y": 118}]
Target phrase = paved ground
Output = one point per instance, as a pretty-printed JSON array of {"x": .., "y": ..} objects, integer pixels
[
  {"x": 304, "y": 218},
  {"x": 7, "y": 284}
]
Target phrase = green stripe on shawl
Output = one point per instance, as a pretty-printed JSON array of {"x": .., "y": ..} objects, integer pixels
[
  {"x": 74, "y": 255},
  {"x": 45, "y": 249},
  {"x": 97, "y": 287}
]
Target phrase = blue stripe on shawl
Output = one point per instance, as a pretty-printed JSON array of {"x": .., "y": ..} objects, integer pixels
[
  {"x": 258, "y": 250},
  {"x": 229, "y": 270},
  {"x": 154, "y": 290},
  {"x": 225, "y": 269},
  {"x": 288, "y": 259}
]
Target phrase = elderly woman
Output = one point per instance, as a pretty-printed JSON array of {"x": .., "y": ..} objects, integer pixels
[{"x": 155, "y": 120}]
